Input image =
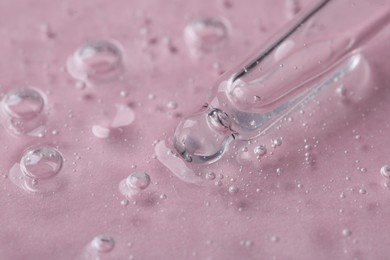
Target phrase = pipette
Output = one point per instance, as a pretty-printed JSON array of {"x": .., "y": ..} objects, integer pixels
[{"x": 295, "y": 65}]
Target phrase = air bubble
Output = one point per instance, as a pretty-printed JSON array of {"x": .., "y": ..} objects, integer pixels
[
  {"x": 274, "y": 239},
  {"x": 210, "y": 176},
  {"x": 23, "y": 103},
  {"x": 346, "y": 232},
  {"x": 103, "y": 243},
  {"x": 96, "y": 62},
  {"x": 233, "y": 189},
  {"x": 206, "y": 34},
  {"x": 172, "y": 105},
  {"x": 260, "y": 150},
  {"x": 41, "y": 163}
]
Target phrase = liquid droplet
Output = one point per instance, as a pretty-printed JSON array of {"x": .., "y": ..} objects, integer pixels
[
  {"x": 233, "y": 189},
  {"x": 346, "y": 232},
  {"x": 134, "y": 184},
  {"x": 362, "y": 191},
  {"x": 138, "y": 180},
  {"x": 41, "y": 163},
  {"x": 274, "y": 239},
  {"x": 96, "y": 62},
  {"x": 210, "y": 176},
  {"x": 23, "y": 103},
  {"x": 206, "y": 34},
  {"x": 260, "y": 150},
  {"x": 175, "y": 164},
  {"x": 103, "y": 243},
  {"x": 385, "y": 171}
]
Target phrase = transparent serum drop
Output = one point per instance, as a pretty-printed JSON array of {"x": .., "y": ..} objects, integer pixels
[
  {"x": 96, "y": 62},
  {"x": 103, "y": 243},
  {"x": 385, "y": 171},
  {"x": 138, "y": 180},
  {"x": 206, "y": 34},
  {"x": 260, "y": 150},
  {"x": 41, "y": 163},
  {"x": 134, "y": 184},
  {"x": 24, "y": 103}
]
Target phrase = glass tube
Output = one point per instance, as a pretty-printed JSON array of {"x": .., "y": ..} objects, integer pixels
[{"x": 295, "y": 65}]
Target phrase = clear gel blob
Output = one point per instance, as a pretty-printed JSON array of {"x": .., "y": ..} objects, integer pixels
[
  {"x": 175, "y": 164},
  {"x": 134, "y": 184},
  {"x": 24, "y": 103},
  {"x": 96, "y": 62},
  {"x": 23, "y": 112},
  {"x": 138, "y": 180},
  {"x": 41, "y": 163},
  {"x": 206, "y": 34}
]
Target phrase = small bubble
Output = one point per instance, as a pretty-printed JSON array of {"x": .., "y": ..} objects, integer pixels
[
  {"x": 279, "y": 170},
  {"x": 274, "y": 239},
  {"x": 248, "y": 243},
  {"x": 206, "y": 34},
  {"x": 55, "y": 132},
  {"x": 277, "y": 142},
  {"x": 362, "y": 191},
  {"x": 210, "y": 176},
  {"x": 23, "y": 103},
  {"x": 124, "y": 202},
  {"x": 41, "y": 163},
  {"x": 385, "y": 171},
  {"x": 124, "y": 93},
  {"x": 95, "y": 62},
  {"x": 219, "y": 120},
  {"x": 233, "y": 189},
  {"x": 138, "y": 180},
  {"x": 346, "y": 232},
  {"x": 260, "y": 150},
  {"x": 172, "y": 105},
  {"x": 103, "y": 243}
]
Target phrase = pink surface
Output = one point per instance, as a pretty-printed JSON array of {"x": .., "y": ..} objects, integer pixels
[{"x": 279, "y": 207}]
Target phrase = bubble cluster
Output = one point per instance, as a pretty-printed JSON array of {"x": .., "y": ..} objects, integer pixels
[{"x": 96, "y": 62}]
